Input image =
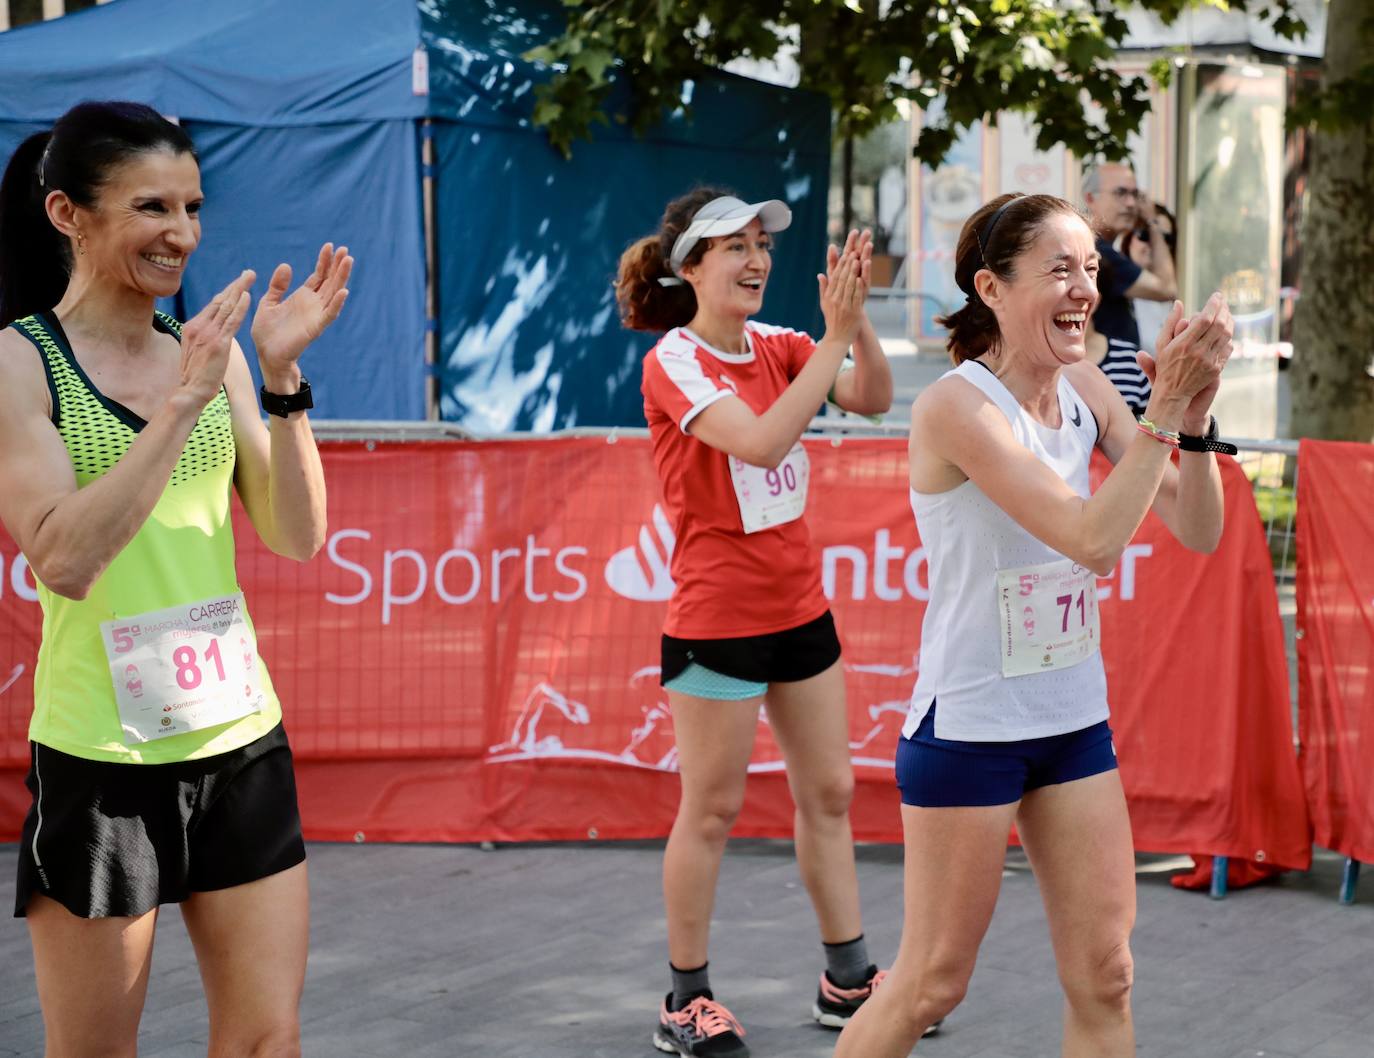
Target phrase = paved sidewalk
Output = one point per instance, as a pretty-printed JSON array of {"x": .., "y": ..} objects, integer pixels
[{"x": 556, "y": 951}]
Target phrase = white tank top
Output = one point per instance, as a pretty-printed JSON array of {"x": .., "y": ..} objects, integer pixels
[{"x": 968, "y": 539}]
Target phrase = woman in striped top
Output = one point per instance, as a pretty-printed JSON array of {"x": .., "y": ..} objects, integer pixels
[{"x": 1117, "y": 359}]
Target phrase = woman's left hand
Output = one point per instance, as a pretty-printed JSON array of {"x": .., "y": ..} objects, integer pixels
[
  {"x": 1198, "y": 411},
  {"x": 284, "y": 326},
  {"x": 860, "y": 242}
]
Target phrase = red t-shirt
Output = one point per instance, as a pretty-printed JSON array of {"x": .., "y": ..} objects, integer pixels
[{"x": 729, "y": 583}]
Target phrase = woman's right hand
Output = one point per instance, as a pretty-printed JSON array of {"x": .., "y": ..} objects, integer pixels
[
  {"x": 843, "y": 293},
  {"x": 207, "y": 340},
  {"x": 1189, "y": 357}
]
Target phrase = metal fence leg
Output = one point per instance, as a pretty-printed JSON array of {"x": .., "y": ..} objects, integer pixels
[
  {"x": 1350, "y": 877},
  {"x": 1221, "y": 866}
]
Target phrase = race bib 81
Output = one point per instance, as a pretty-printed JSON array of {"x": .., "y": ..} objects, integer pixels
[{"x": 184, "y": 668}]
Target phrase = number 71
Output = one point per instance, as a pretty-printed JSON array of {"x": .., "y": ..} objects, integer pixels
[{"x": 1068, "y": 602}]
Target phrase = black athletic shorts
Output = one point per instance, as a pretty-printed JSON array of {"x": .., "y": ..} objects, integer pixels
[
  {"x": 106, "y": 839},
  {"x": 775, "y": 657}
]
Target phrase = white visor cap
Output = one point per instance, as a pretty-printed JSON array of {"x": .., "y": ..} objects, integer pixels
[{"x": 725, "y": 216}]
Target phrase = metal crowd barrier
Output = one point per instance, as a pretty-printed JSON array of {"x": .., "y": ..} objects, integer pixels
[{"x": 1270, "y": 465}]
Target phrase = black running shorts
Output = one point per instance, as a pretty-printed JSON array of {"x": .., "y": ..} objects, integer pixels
[
  {"x": 777, "y": 657},
  {"x": 106, "y": 839}
]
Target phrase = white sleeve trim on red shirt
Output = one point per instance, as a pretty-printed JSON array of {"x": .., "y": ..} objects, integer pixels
[
  {"x": 697, "y": 409},
  {"x": 677, "y": 356},
  {"x": 770, "y": 329}
]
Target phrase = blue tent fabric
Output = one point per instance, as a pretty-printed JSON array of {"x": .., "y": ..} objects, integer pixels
[
  {"x": 306, "y": 126},
  {"x": 238, "y": 62},
  {"x": 307, "y": 121},
  {"x": 277, "y": 194},
  {"x": 529, "y": 334},
  {"x": 477, "y": 71}
]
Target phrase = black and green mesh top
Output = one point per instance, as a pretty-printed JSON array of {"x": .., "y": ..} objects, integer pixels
[{"x": 183, "y": 552}]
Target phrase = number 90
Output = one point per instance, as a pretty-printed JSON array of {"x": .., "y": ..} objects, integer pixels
[{"x": 777, "y": 481}]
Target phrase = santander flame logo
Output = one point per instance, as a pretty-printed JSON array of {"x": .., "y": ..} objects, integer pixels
[{"x": 640, "y": 572}]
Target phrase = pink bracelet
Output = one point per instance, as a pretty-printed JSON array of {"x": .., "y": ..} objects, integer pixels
[{"x": 1149, "y": 429}]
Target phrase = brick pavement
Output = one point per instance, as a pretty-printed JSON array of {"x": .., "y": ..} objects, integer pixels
[{"x": 556, "y": 951}]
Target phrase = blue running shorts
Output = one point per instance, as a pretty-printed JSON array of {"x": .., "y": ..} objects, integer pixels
[{"x": 942, "y": 773}]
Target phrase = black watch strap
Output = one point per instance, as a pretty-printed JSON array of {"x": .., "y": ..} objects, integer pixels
[
  {"x": 284, "y": 404},
  {"x": 1209, "y": 442}
]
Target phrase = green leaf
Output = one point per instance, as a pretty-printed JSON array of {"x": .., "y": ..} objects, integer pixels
[
  {"x": 547, "y": 112},
  {"x": 593, "y": 63}
]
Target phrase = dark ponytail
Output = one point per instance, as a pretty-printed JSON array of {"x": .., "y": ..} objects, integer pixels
[
  {"x": 33, "y": 254},
  {"x": 973, "y": 330},
  {"x": 992, "y": 238},
  {"x": 77, "y": 157},
  {"x": 645, "y": 303}
]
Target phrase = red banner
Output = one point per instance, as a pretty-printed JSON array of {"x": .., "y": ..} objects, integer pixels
[
  {"x": 474, "y": 655},
  {"x": 1336, "y": 642}
]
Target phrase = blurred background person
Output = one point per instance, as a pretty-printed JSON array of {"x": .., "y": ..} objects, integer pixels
[
  {"x": 1117, "y": 208},
  {"x": 1139, "y": 246},
  {"x": 1118, "y": 362}
]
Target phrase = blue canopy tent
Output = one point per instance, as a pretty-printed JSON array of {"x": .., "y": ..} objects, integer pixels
[
  {"x": 307, "y": 130},
  {"x": 308, "y": 119}
]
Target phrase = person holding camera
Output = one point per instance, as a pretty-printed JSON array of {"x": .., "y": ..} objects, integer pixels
[{"x": 1117, "y": 207}]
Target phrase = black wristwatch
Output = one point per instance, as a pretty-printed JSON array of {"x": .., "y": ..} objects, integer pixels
[
  {"x": 1209, "y": 442},
  {"x": 285, "y": 404}
]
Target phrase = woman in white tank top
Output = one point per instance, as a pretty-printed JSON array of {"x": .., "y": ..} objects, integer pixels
[{"x": 1008, "y": 717}]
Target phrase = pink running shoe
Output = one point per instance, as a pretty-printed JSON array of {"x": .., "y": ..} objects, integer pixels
[
  {"x": 835, "y": 1005},
  {"x": 701, "y": 1029}
]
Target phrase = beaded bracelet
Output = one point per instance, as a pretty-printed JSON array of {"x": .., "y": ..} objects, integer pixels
[{"x": 1149, "y": 429}]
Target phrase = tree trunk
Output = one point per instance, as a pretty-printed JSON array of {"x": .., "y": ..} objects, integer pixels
[{"x": 1333, "y": 323}]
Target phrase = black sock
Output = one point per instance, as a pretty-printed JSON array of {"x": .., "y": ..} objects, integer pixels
[
  {"x": 687, "y": 985},
  {"x": 847, "y": 963}
]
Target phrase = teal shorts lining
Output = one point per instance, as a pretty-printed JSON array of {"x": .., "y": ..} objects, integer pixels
[{"x": 701, "y": 682}]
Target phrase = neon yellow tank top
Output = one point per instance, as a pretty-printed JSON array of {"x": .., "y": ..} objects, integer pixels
[{"x": 184, "y": 552}]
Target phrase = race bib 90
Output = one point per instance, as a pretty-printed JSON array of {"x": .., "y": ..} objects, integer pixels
[{"x": 769, "y": 498}]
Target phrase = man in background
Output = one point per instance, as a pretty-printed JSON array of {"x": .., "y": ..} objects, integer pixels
[{"x": 1117, "y": 207}]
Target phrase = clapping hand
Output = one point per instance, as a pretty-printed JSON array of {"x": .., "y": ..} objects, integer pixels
[
  {"x": 1190, "y": 354},
  {"x": 844, "y": 287},
  {"x": 283, "y": 326},
  {"x": 857, "y": 242},
  {"x": 207, "y": 338}
]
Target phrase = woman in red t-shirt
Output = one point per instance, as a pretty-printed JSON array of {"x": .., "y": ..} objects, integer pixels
[{"x": 727, "y": 400}]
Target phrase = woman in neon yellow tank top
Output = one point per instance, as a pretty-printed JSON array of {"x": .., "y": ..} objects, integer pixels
[{"x": 160, "y": 769}]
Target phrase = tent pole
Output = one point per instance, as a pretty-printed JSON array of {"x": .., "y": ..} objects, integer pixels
[{"x": 431, "y": 275}]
